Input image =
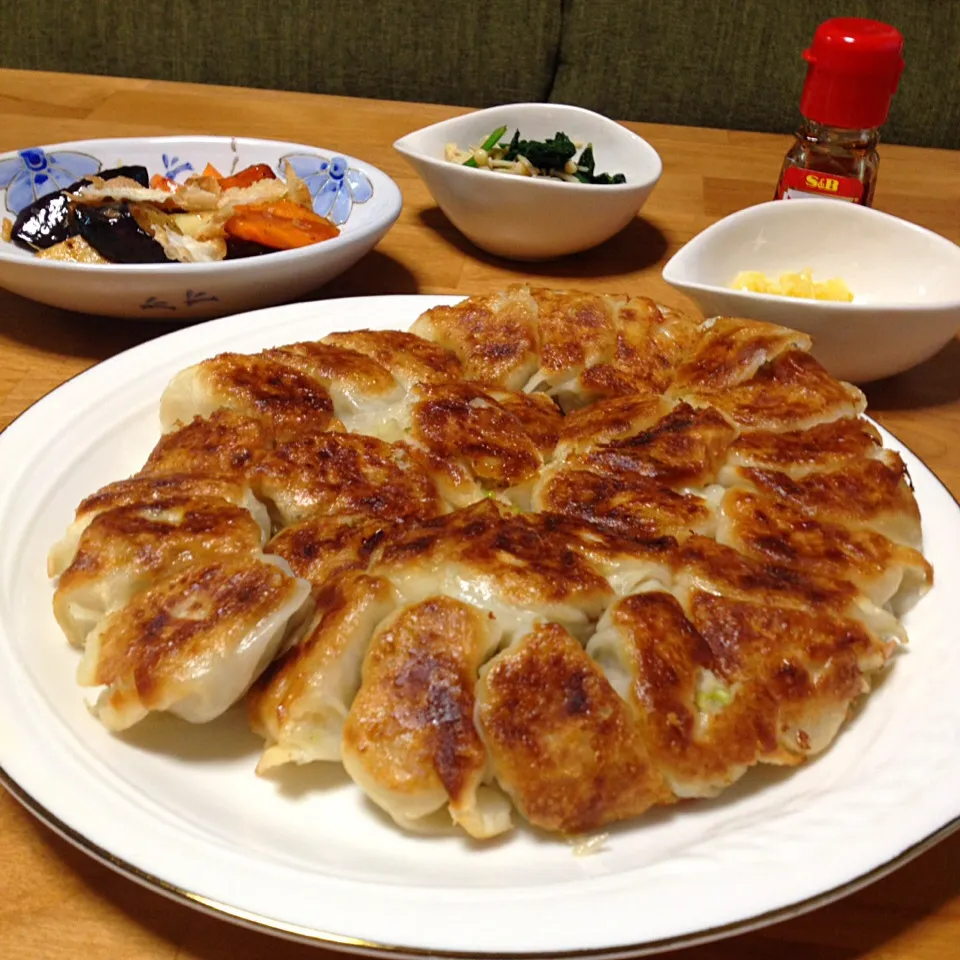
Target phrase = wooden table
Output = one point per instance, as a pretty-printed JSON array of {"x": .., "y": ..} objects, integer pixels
[{"x": 54, "y": 901}]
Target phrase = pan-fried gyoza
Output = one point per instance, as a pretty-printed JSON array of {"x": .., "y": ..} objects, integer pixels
[{"x": 555, "y": 553}]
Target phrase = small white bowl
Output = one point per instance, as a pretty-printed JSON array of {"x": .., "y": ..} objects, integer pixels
[
  {"x": 526, "y": 218},
  {"x": 363, "y": 201},
  {"x": 905, "y": 281}
]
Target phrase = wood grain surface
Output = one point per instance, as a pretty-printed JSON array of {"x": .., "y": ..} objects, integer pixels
[{"x": 55, "y": 902}]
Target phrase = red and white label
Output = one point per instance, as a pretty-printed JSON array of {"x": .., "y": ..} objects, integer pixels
[{"x": 799, "y": 184}]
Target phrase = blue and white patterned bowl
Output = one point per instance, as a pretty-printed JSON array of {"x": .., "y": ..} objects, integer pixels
[{"x": 362, "y": 200}]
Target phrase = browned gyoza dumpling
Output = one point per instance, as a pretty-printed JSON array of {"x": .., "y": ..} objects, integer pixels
[
  {"x": 494, "y": 337},
  {"x": 409, "y": 740},
  {"x": 516, "y": 568},
  {"x": 126, "y": 549},
  {"x": 570, "y": 551},
  {"x": 225, "y": 444},
  {"x": 343, "y": 474},
  {"x": 792, "y": 393},
  {"x": 143, "y": 491},
  {"x": 564, "y": 746},
  {"x": 285, "y": 398},
  {"x": 366, "y": 397},
  {"x": 409, "y": 358},
  {"x": 321, "y": 547},
  {"x": 730, "y": 683},
  {"x": 774, "y": 530},
  {"x": 192, "y": 643},
  {"x": 299, "y": 705}
]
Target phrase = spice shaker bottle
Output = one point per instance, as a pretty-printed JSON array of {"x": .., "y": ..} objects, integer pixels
[{"x": 854, "y": 68}]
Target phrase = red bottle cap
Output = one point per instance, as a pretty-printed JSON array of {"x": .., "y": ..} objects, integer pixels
[{"x": 855, "y": 66}]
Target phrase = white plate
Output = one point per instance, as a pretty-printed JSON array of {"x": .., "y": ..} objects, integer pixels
[
  {"x": 180, "y": 809},
  {"x": 362, "y": 200}
]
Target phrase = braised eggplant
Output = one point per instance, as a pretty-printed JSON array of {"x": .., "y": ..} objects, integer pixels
[
  {"x": 44, "y": 223},
  {"x": 113, "y": 231}
]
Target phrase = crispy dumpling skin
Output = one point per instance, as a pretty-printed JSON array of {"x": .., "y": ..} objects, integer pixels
[
  {"x": 300, "y": 702},
  {"x": 409, "y": 741},
  {"x": 461, "y": 423},
  {"x": 562, "y": 744},
  {"x": 872, "y": 493},
  {"x": 606, "y": 420},
  {"x": 193, "y": 643},
  {"x": 773, "y": 531},
  {"x": 365, "y": 395},
  {"x": 494, "y": 336},
  {"x": 344, "y": 473},
  {"x": 539, "y": 417},
  {"x": 732, "y": 350},
  {"x": 225, "y": 444},
  {"x": 624, "y": 503},
  {"x": 289, "y": 401},
  {"x": 519, "y": 568},
  {"x": 409, "y": 358},
  {"x": 793, "y": 392},
  {"x": 814, "y": 665},
  {"x": 125, "y": 549},
  {"x": 577, "y": 330},
  {"x": 683, "y": 449},
  {"x": 651, "y": 343},
  {"x": 700, "y": 563},
  {"x": 760, "y": 684},
  {"x": 320, "y": 548},
  {"x": 145, "y": 490},
  {"x": 825, "y": 446}
]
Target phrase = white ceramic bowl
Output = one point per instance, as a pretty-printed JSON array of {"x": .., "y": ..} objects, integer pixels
[
  {"x": 905, "y": 281},
  {"x": 363, "y": 201},
  {"x": 527, "y": 218}
]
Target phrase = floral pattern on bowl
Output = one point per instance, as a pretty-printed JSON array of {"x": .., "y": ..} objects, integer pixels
[
  {"x": 33, "y": 173},
  {"x": 334, "y": 186},
  {"x": 342, "y": 187}
]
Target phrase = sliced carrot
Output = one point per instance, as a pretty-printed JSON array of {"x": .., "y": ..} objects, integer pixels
[
  {"x": 159, "y": 182},
  {"x": 211, "y": 171},
  {"x": 283, "y": 225},
  {"x": 246, "y": 177}
]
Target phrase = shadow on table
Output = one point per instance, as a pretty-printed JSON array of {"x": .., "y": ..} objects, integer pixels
[
  {"x": 58, "y": 331},
  {"x": 857, "y": 926},
  {"x": 375, "y": 274},
  {"x": 931, "y": 384},
  {"x": 640, "y": 244}
]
